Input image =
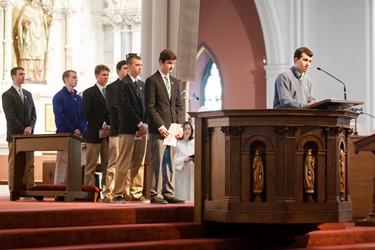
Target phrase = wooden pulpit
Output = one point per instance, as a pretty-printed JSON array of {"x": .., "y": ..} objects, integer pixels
[
  {"x": 367, "y": 144},
  {"x": 273, "y": 166}
]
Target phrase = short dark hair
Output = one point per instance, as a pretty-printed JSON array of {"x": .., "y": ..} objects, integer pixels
[
  {"x": 66, "y": 74},
  {"x": 167, "y": 54},
  {"x": 120, "y": 64},
  {"x": 191, "y": 137},
  {"x": 13, "y": 71},
  {"x": 131, "y": 57},
  {"x": 99, "y": 68},
  {"x": 299, "y": 51}
]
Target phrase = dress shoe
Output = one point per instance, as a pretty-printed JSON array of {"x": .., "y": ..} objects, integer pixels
[
  {"x": 38, "y": 198},
  {"x": 158, "y": 201},
  {"x": 174, "y": 200},
  {"x": 141, "y": 199},
  {"x": 59, "y": 198},
  {"x": 119, "y": 200},
  {"x": 107, "y": 199}
]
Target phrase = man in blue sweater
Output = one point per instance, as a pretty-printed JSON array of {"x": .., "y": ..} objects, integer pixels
[{"x": 67, "y": 107}]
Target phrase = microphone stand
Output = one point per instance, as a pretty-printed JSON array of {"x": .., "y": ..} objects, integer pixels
[
  {"x": 318, "y": 68},
  {"x": 361, "y": 113}
]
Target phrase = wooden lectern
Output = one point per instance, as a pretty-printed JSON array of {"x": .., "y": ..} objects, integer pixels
[
  {"x": 334, "y": 104},
  {"x": 48, "y": 142},
  {"x": 273, "y": 166},
  {"x": 367, "y": 144}
]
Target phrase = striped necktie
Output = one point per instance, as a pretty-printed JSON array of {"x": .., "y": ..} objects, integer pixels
[
  {"x": 20, "y": 92},
  {"x": 168, "y": 86}
]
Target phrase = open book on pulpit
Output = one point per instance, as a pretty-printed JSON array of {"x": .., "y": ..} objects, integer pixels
[{"x": 335, "y": 104}]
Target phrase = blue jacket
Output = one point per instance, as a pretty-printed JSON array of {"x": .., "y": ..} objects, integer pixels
[{"x": 68, "y": 112}]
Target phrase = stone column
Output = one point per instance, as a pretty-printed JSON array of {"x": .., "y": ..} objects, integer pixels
[
  {"x": 1, "y": 37},
  {"x": 272, "y": 71},
  {"x": 7, "y": 42},
  {"x": 117, "y": 14},
  {"x": 69, "y": 12}
]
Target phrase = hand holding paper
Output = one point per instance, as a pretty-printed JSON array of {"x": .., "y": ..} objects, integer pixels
[{"x": 174, "y": 132}]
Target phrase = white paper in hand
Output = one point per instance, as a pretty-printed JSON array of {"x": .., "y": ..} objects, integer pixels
[{"x": 173, "y": 131}]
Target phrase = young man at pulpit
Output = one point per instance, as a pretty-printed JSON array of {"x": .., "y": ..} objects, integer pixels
[{"x": 293, "y": 88}]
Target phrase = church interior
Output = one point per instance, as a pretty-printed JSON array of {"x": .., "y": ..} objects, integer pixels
[{"x": 229, "y": 54}]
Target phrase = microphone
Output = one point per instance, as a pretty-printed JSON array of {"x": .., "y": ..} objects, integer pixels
[
  {"x": 195, "y": 96},
  {"x": 336, "y": 79}
]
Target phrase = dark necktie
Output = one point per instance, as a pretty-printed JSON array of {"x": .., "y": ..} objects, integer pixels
[
  {"x": 136, "y": 87},
  {"x": 103, "y": 90}
]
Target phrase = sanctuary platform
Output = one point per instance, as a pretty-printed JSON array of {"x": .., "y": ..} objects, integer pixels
[{"x": 28, "y": 224}]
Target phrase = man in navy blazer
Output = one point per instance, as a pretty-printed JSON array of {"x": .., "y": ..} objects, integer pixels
[
  {"x": 95, "y": 111},
  {"x": 163, "y": 105},
  {"x": 20, "y": 115},
  {"x": 132, "y": 134},
  {"x": 112, "y": 106}
]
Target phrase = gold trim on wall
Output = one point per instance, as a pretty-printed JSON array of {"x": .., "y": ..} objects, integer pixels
[{"x": 49, "y": 119}]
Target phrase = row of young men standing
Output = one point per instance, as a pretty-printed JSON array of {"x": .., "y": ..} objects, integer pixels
[{"x": 117, "y": 127}]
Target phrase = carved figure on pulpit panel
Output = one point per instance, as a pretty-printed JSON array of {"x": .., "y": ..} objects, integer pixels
[
  {"x": 258, "y": 173},
  {"x": 342, "y": 174},
  {"x": 309, "y": 168},
  {"x": 32, "y": 39}
]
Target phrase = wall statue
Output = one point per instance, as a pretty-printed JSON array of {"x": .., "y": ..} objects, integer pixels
[
  {"x": 309, "y": 168},
  {"x": 258, "y": 169},
  {"x": 31, "y": 39},
  {"x": 342, "y": 174}
]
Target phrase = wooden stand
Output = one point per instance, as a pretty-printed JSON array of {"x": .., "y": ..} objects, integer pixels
[
  {"x": 226, "y": 144},
  {"x": 367, "y": 144},
  {"x": 48, "y": 142},
  {"x": 334, "y": 104}
]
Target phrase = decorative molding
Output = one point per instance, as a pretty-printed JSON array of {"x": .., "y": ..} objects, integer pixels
[
  {"x": 208, "y": 133},
  {"x": 333, "y": 131},
  {"x": 232, "y": 130},
  {"x": 119, "y": 17},
  {"x": 286, "y": 130},
  {"x": 7, "y": 3},
  {"x": 349, "y": 131}
]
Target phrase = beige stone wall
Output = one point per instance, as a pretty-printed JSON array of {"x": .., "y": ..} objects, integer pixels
[{"x": 39, "y": 159}]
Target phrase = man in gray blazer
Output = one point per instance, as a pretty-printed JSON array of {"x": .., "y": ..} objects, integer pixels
[
  {"x": 20, "y": 115},
  {"x": 163, "y": 105}
]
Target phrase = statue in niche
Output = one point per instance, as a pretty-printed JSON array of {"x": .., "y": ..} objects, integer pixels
[
  {"x": 309, "y": 168},
  {"x": 32, "y": 33},
  {"x": 258, "y": 171},
  {"x": 342, "y": 174}
]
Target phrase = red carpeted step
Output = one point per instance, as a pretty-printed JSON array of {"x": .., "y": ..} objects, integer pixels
[
  {"x": 109, "y": 214},
  {"x": 179, "y": 244},
  {"x": 363, "y": 246},
  {"x": 350, "y": 235},
  {"x": 42, "y": 237}
]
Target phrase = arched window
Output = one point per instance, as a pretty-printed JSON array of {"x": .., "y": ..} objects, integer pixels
[{"x": 212, "y": 87}]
